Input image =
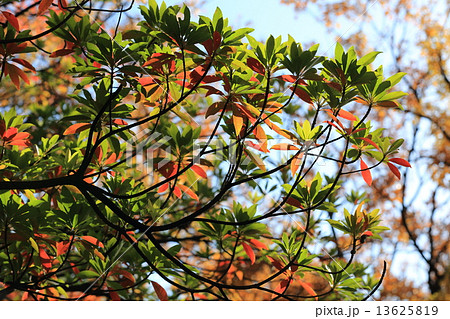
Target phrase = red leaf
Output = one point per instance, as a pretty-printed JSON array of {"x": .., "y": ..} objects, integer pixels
[
  {"x": 256, "y": 66},
  {"x": 2, "y": 128},
  {"x": 43, "y": 6},
  {"x": 294, "y": 202},
  {"x": 25, "y": 64},
  {"x": 366, "y": 173},
  {"x": 12, "y": 19},
  {"x": 127, "y": 275},
  {"x": 61, "y": 52},
  {"x": 177, "y": 192},
  {"x": 275, "y": 263},
  {"x": 249, "y": 252},
  {"x": 62, "y": 4},
  {"x": 369, "y": 141},
  {"x": 160, "y": 291},
  {"x": 217, "y": 40},
  {"x": 302, "y": 94},
  {"x": 334, "y": 85},
  {"x": 367, "y": 233},
  {"x": 93, "y": 241},
  {"x": 308, "y": 288},
  {"x": 257, "y": 243},
  {"x": 114, "y": 295},
  {"x": 199, "y": 171},
  {"x": 75, "y": 269},
  {"x": 14, "y": 73},
  {"x": 288, "y": 78},
  {"x": 400, "y": 161},
  {"x": 76, "y": 128},
  {"x": 394, "y": 170}
]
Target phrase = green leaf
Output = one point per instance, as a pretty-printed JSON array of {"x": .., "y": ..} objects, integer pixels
[{"x": 87, "y": 274}]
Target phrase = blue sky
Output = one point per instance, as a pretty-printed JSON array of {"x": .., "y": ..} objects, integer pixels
[{"x": 269, "y": 17}]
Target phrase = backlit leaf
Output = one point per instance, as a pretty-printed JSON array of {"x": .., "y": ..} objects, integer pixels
[
  {"x": 400, "y": 161},
  {"x": 367, "y": 176},
  {"x": 160, "y": 291},
  {"x": 249, "y": 251},
  {"x": 394, "y": 170}
]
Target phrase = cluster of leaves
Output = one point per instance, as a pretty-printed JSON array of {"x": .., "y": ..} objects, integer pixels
[{"x": 172, "y": 123}]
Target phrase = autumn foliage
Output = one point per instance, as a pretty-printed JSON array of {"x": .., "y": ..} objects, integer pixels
[{"x": 188, "y": 162}]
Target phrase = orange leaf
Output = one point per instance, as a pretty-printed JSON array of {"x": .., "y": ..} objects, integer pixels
[
  {"x": 400, "y": 161},
  {"x": 308, "y": 288},
  {"x": 163, "y": 187},
  {"x": 361, "y": 100},
  {"x": 93, "y": 241},
  {"x": 256, "y": 66},
  {"x": 367, "y": 233},
  {"x": 120, "y": 122},
  {"x": 24, "y": 296},
  {"x": 281, "y": 287},
  {"x": 61, "y": 248},
  {"x": 76, "y": 128},
  {"x": 284, "y": 147},
  {"x": 43, "y": 6},
  {"x": 347, "y": 115},
  {"x": 61, "y": 52},
  {"x": 188, "y": 192},
  {"x": 257, "y": 243},
  {"x": 259, "y": 133},
  {"x": 45, "y": 259},
  {"x": 238, "y": 122},
  {"x": 296, "y": 162},
  {"x": 199, "y": 171},
  {"x": 160, "y": 291},
  {"x": 367, "y": 176},
  {"x": 12, "y": 19},
  {"x": 302, "y": 94},
  {"x": 291, "y": 79},
  {"x": 249, "y": 251}
]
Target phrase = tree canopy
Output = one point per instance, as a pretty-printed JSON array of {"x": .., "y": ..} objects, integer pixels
[{"x": 182, "y": 160}]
